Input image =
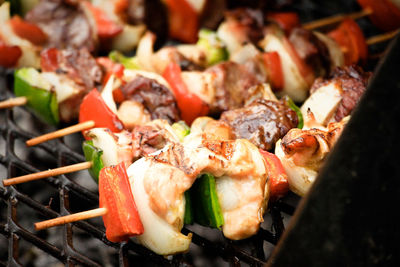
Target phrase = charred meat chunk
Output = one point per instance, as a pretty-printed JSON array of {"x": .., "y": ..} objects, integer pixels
[
  {"x": 353, "y": 81},
  {"x": 263, "y": 122},
  {"x": 231, "y": 84},
  {"x": 312, "y": 50},
  {"x": 77, "y": 64},
  {"x": 65, "y": 23},
  {"x": 156, "y": 98},
  {"x": 251, "y": 21}
]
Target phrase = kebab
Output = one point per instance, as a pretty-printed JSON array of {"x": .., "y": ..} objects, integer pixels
[
  {"x": 384, "y": 14},
  {"x": 197, "y": 137},
  {"x": 189, "y": 107},
  {"x": 238, "y": 162}
]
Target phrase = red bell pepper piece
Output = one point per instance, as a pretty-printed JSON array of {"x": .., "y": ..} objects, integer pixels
[
  {"x": 9, "y": 55},
  {"x": 120, "y": 6},
  {"x": 351, "y": 39},
  {"x": 286, "y": 20},
  {"x": 183, "y": 21},
  {"x": 112, "y": 68},
  {"x": 278, "y": 181},
  {"x": 122, "y": 218},
  {"x": 189, "y": 104},
  {"x": 385, "y": 15},
  {"x": 272, "y": 62},
  {"x": 28, "y": 31},
  {"x": 94, "y": 108},
  {"x": 106, "y": 28}
]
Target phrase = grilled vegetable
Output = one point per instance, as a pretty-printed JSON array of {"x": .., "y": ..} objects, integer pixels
[
  {"x": 297, "y": 76},
  {"x": 122, "y": 219},
  {"x": 127, "y": 62},
  {"x": 41, "y": 99},
  {"x": 214, "y": 48},
  {"x": 159, "y": 236},
  {"x": 278, "y": 180},
  {"x": 190, "y": 105},
  {"x": 181, "y": 15},
  {"x": 385, "y": 13},
  {"x": 94, "y": 155},
  {"x": 9, "y": 55},
  {"x": 207, "y": 210},
  {"x": 351, "y": 39},
  {"x": 289, "y": 102},
  {"x": 181, "y": 129},
  {"x": 273, "y": 66},
  {"x": 94, "y": 108},
  {"x": 188, "y": 217}
]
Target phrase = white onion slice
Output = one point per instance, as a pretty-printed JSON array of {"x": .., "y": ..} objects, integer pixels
[
  {"x": 104, "y": 140},
  {"x": 300, "y": 178},
  {"x": 159, "y": 236}
]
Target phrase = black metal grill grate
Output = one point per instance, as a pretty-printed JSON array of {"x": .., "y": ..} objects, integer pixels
[{"x": 84, "y": 243}]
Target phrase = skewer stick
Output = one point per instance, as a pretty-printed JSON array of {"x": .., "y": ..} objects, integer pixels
[
  {"x": 336, "y": 18},
  {"x": 13, "y": 102},
  {"x": 60, "y": 133},
  {"x": 382, "y": 37},
  {"x": 49, "y": 173},
  {"x": 71, "y": 218}
]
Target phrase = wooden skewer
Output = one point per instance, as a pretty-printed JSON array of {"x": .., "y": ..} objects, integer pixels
[
  {"x": 49, "y": 173},
  {"x": 60, "y": 133},
  {"x": 382, "y": 37},
  {"x": 13, "y": 102},
  {"x": 336, "y": 18},
  {"x": 71, "y": 218}
]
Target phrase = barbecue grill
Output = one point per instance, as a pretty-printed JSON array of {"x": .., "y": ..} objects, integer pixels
[{"x": 342, "y": 221}]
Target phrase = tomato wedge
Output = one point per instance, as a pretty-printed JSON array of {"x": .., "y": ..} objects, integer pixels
[
  {"x": 286, "y": 20},
  {"x": 9, "y": 55},
  {"x": 106, "y": 28},
  {"x": 122, "y": 218},
  {"x": 273, "y": 65},
  {"x": 183, "y": 21},
  {"x": 189, "y": 104},
  {"x": 94, "y": 108},
  {"x": 278, "y": 180},
  {"x": 28, "y": 31},
  {"x": 351, "y": 39},
  {"x": 385, "y": 16}
]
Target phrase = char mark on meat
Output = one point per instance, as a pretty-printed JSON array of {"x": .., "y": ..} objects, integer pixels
[
  {"x": 232, "y": 83},
  {"x": 263, "y": 122},
  {"x": 353, "y": 81},
  {"x": 81, "y": 67}
]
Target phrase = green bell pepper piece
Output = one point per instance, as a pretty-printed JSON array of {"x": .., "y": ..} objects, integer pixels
[
  {"x": 43, "y": 101},
  {"x": 188, "y": 217},
  {"x": 289, "y": 102},
  {"x": 207, "y": 210},
  {"x": 214, "y": 48},
  {"x": 93, "y": 154},
  {"x": 21, "y": 7},
  {"x": 128, "y": 62},
  {"x": 181, "y": 129}
]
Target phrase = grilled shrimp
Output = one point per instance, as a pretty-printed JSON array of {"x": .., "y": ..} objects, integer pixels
[{"x": 303, "y": 152}]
